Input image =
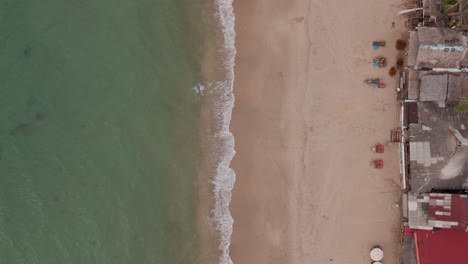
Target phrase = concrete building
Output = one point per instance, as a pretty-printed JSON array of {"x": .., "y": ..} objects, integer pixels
[{"x": 437, "y": 149}]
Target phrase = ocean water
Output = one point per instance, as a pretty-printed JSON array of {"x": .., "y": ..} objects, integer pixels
[{"x": 100, "y": 130}]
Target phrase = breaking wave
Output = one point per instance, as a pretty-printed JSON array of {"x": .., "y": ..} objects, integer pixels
[{"x": 222, "y": 141}]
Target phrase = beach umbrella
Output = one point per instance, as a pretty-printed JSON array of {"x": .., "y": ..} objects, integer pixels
[{"x": 376, "y": 254}]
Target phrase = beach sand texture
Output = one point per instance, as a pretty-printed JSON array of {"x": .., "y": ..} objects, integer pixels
[{"x": 304, "y": 124}]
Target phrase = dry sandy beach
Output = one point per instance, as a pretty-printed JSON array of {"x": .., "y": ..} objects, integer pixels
[{"x": 304, "y": 124}]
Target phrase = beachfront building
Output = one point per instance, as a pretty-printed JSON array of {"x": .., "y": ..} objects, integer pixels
[
  {"x": 436, "y": 151},
  {"x": 436, "y": 87},
  {"x": 437, "y": 59},
  {"x": 437, "y": 49},
  {"x": 436, "y": 247},
  {"x": 436, "y": 231},
  {"x": 437, "y": 146},
  {"x": 429, "y": 211}
]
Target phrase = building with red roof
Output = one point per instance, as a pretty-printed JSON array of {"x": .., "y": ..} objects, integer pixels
[
  {"x": 449, "y": 209},
  {"x": 443, "y": 246},
  {"x": 438, "y": 210},
  {"x": 437, "y": 228}
]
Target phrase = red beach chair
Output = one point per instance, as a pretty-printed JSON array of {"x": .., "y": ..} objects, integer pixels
[
  {"x": 379, "y": 148},
  {"x": 378, "y": 164}
]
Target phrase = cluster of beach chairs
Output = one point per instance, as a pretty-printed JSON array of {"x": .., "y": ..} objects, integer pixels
[
  {"x": 378, "y": 163},
  {"x": 379, "y": 62}
]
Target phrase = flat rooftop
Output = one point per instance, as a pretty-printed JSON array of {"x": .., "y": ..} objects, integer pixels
[{"x": 433, "y": 145}]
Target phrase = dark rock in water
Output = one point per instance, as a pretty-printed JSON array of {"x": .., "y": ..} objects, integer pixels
[
  {"x": 22, "y": 129},
  {"x": 56, "y": 198},
  {"x": 40, "y": 116},
  {"x": 27, "y": 52}
]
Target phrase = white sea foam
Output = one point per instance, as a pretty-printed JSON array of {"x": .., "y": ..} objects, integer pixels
[
  {"x": 223, "y": 140},
  {"x": 199, "y": 88}
]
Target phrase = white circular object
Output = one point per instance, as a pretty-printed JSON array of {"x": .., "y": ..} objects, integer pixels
[
  {"x": 376, "y": 262},
  {"x": 376, "y": 254}
]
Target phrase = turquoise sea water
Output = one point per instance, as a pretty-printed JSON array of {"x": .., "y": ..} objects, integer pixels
[{"x": 99, "y": 131}]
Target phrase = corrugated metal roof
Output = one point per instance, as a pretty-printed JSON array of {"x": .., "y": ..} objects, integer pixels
[
  {"x": 413, "y": 47},
  {"x": 440, "y": 48},
  {"x": 451, "y": 209},
  {"x": 433, "y": 88},
  {"x": 413, "y": 85},
  {"x": 428, "y": 211},
  {"x": 441, "y": 246},
  {"x": 458, "y": 86}
]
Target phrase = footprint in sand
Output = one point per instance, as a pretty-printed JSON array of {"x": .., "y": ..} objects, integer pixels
[
  {"x": 362, "y": 61},
  {"x": 297, "y": 20}
]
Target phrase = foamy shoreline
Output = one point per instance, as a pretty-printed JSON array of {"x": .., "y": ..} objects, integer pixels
[
  {"x": 218, "y": 105},
  {"x": 225, "y": 177}
]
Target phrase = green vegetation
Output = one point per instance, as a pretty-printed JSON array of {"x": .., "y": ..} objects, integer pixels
[
  {"x": 447, "y": 3},
  {"x": 453, "y": 23},
  {"x": 462, "y": 106}
]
